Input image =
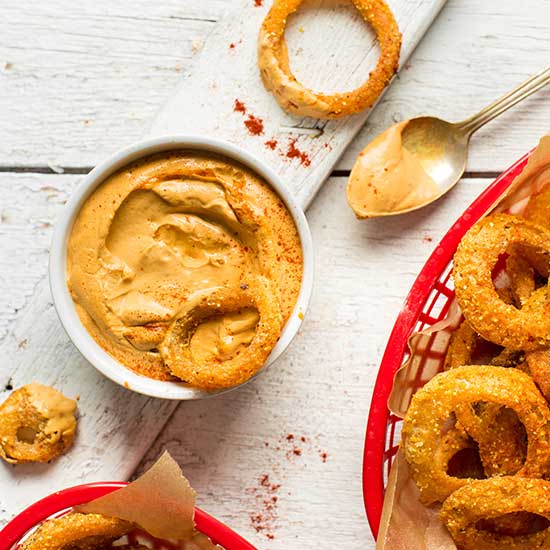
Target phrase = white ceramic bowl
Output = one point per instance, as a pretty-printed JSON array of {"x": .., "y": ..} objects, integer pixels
[{"x": 64, "y": 304}]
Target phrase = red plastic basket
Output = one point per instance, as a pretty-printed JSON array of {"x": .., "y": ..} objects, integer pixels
[
  {"x": 427, "y": 303},
  {"x": 63, "y": 501}
]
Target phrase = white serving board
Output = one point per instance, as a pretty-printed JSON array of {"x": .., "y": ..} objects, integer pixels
[{"x": 117, "y": 426}]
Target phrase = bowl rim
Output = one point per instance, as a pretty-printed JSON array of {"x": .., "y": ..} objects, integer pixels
[
  {"x": 64, "y": 304},
  {"x": 59, "y": 501},
  {"x": 375, "y": 453}
]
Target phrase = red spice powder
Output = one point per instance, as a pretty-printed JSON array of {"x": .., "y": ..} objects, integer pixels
[
  {"x": 232, "y": 46},
  {"x": 271, "y": 144},
  {"x": 293, "y": 152},
  {"x": 239, "y": 107},
  {"x": 264, "y": 518},
  {"x": 258, "y": 3},
  {"x": 427, "y": 239},
  {"x": 323, "y": 456},
  {"x": 290, "y": 437},
  {"x": 254, "y": 125}
]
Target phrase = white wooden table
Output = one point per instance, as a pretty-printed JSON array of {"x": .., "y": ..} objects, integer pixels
[{"x": 79, "y": 80}]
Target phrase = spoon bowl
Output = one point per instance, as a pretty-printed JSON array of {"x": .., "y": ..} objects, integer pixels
[{"x": 440, "y": 146}]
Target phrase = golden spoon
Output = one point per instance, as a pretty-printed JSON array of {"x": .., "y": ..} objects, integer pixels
[{"x": 441, "y": 147}]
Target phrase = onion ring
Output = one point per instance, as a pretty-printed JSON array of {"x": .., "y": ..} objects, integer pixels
[
  {"x": 77, "y": 532},
  {"x": 454, "y": 455},
  {"x": 491, "y": 498},
  {"x": 298, "y": 100},
  {"x": 37, "y": 424},
  {"x": 467, "y": 347},
  {"x": 499, "y": 434},
  {"x": 433, "y": 405},
  {"x": 474, "y": 260},
  {"x": 216, "y": 373},
  {"x": 539, "y": 367}
]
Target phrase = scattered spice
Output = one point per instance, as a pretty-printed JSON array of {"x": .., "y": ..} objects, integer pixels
[
  {"x": 290, "y": 437},
  {"x": 254, "y": 125},
  {"x": 258, "y": 3},
  {"x": 266, "y": 497},
  {"x": 239, "y": 107},
  {"x": 271, "y": 144},
  {"x": 22, "y": 344},
  {"x": 232, "y": 46},
  {"x": 323, "y": 456},
  {"x": 293, "y": 152},
  {"x": 427, "y": 239},
  {"x": 297, "y": 451}
]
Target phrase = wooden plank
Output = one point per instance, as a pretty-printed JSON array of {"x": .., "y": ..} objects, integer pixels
[
  {"x": 227, "y": 71},
  {"x": 62, "y": 103}
]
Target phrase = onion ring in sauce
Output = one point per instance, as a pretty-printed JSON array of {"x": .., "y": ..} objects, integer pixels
[
  {"x": 217, "y": 373},
  {"x": 298, "y": 100},
  {"x": 37, "y": 424}
]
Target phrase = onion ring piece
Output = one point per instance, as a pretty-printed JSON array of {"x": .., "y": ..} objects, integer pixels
[
  {"x": 37, "y": 424},
  {"x": 491, "y": 498},
  {"x": 298, "y": 100},
  {"x": 499, "y": 434},
  {"x": 433, "y": 405},
  {"x": 539, "y": 367},
  {"x": 474, "y": 260},
  {"x": 77, "y": 532},
  {"x": 219, "y": 373}
]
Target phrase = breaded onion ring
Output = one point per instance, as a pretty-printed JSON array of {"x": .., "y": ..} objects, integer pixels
[
  {"x": 37, "y": 424},
  {"x": 467, "y": 347},
  {"x": 539, "y": 367},
  {"x": 499, "y": 433},
  {"x": 76, "y": 531},
  {"x": 298, "y": 100},
  {"x": 433, "y": 405},
  {"x": 474, "y": 260},
  {"x": 455, "y": 452},
  {"x": 220, "y": 373},
  {"x": 491, "y": 498}
]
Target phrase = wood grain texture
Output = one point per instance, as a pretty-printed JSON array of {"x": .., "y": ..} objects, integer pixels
[
  {"x": 227, "y": 70},
  {"x": 84, "y": 79}
]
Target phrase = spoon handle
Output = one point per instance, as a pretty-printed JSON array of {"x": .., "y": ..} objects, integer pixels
[{"x": 530, "y": 86}]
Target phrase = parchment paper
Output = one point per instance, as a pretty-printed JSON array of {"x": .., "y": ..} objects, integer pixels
[
  {"x": 405, "y": 523},
  {"x": 161, "y": 502}
]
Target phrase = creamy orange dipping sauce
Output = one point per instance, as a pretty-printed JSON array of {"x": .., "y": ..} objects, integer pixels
[
  {"x": 173, "y": 227},
  {"x": 387, "y": 178}
]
